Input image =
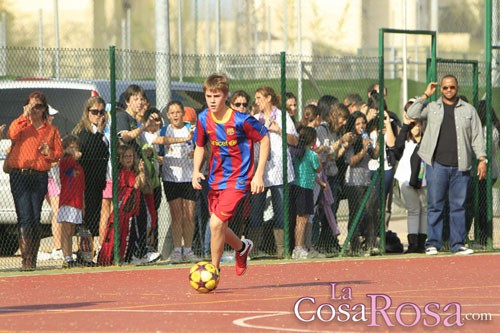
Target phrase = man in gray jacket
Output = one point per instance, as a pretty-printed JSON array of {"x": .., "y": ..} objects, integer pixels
[{"x": 452, "y": 135}]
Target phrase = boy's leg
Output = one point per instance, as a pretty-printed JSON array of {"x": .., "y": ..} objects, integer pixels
[
  {"x": 222, "y": 205},
  {"x": 217, "y": 238},
  {"x": 221, "y": 234},
  {"x": 233, "y": 240}
]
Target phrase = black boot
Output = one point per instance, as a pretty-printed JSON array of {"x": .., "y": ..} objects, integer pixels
[
  {"x": 35, "y": 246},
  {"x": 25, "y": 245},
  {"x": 412, "y": 243},
  {"x": 421, "y": 243}
]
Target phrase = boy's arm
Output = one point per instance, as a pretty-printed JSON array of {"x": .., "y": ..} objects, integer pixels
[
  {"x": 257, "y": 184},
  {"x": 199, "y": 153}
]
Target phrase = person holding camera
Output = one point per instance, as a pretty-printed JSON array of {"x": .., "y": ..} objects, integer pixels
[{"x": 36, "y": 144}]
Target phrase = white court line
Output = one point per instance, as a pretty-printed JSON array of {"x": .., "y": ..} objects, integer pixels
[{"x": 242, "y": 322}]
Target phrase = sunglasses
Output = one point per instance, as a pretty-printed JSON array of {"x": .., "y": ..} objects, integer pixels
[
  {"x": 241, "y": 104},
  {"x": 39, "y": 106},
  {"x": 449, "y": 87},
  {"x": 96, "y": 112}
]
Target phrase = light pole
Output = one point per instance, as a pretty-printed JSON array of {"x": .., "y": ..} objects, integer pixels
[{"x": 56, "y": 36}]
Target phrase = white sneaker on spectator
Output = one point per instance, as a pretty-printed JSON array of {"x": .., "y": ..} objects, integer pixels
[
  {"x": 176, "y": 257},
  {"x": 189, "y": 256},
  {"x": 431, "y": 251},
  {"x": 57, "y": 254},
  {"x": 463, "y": 251},
  {"x": 151, "y": 257},
  {"x": 299, "y": 253}
]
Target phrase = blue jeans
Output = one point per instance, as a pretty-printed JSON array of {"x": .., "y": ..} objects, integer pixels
[
  {"x": 28, "y": 191},
  {"x": 445, "y": 181},
  {"x": 258, "y": 205}
]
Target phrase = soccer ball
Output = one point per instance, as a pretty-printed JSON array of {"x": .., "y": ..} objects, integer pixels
[{"x": 204, "y": 277}]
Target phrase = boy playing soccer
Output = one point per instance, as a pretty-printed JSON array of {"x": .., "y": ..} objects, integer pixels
[{"x": 231, "y": 135}]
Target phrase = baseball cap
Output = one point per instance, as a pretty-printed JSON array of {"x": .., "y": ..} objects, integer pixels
[
  {"x": 52, "y": 111},
  {"x": 409, "y": 103}
]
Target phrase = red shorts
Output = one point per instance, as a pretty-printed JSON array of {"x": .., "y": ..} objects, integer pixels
[{"x": 223, "y": 203}]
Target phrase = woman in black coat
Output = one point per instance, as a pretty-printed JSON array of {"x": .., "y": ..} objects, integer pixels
[{"x": 94, "y": 160}]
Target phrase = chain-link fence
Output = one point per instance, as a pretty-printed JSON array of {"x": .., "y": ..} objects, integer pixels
[{"x": 169, "y": 218}]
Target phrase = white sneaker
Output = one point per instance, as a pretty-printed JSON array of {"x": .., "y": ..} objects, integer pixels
[
  {"x": 189, "y": 256},
  {"x": 299, "y": 253},
  {"x": 57, "y": 254},
  {"x": 151, "y": 257},
  {"x": 463, "y": 251},
  {"x": 431, "y": 251}
]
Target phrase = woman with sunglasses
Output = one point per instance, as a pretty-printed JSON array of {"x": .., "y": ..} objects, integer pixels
[
  {"x": 36, "y": 144},
  {"x": 94, "y": 160},
  {"x": 240, "y": 101}
]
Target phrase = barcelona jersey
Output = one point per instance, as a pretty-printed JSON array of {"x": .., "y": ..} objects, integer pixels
[{"x": 231, "y": 140}]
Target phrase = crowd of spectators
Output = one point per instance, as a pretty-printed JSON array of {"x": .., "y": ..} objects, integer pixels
[{"x": 332, "y": 154}]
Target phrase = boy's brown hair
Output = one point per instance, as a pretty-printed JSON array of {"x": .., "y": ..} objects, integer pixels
[
  {"x": 68, "y": 140},
  {"x": 217, "y": 82}
]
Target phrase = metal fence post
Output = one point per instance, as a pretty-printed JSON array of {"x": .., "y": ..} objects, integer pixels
[
  {"x": 114, "y": 164},
  {"x": 285, "y": 159}
]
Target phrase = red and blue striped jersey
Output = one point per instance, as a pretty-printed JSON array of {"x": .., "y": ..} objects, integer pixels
[{"x": 232, "y": 143}]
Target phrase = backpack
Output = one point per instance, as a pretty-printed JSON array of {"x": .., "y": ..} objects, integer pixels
[
  {"x": 393, "y": 243},
  {"x": 85, "y": 245}
]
